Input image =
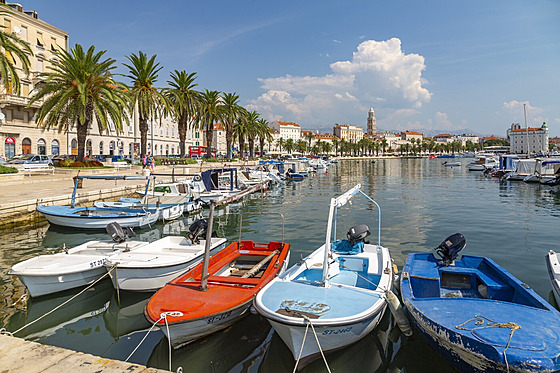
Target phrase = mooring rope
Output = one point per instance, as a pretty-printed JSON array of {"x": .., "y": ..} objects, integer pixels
[
  {"x": 309, "y": 323},
  {"x": 64, "y": 303},
  {"x": 163, "y": 317},
  {"x": 480, "y": 320}
]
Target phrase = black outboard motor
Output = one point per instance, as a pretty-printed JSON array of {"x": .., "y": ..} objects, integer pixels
[
  {"x": 118, "y": 233},
  {"x": 358, "y": 233},
  {"x": 197, "y": 230},
  {"x": 449, "y": 249}
]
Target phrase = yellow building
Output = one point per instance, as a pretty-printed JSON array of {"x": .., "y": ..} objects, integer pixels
[
  {"x": 348, "y": 132},
  {"x": 18, "y": 130}
]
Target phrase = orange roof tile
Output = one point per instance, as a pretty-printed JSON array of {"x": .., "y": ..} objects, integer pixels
[
  {"x": 288, "y": 124},
  {"x": 526, "y": 129}
]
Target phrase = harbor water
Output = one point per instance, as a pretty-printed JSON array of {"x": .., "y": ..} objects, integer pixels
[{"x": 422, "y": 203}]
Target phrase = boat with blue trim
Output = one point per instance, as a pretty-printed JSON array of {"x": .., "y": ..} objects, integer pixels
[{"x": 477, "y": 315}]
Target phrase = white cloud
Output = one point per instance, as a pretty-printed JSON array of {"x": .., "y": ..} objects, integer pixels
[{"x": 379, "y": 74}]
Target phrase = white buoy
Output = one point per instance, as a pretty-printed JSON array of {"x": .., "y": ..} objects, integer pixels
[{"x": 398, "y": 313}]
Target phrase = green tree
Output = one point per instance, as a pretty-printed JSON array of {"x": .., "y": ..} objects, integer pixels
[
  {"x": 144, "y": 95},
  {"x": 183, "y": 100},
  {"x": 12, "y": 46},
  {"x": 210, "y": 111},
  {"x": 78, "y": 90},
  {"x": 232, "y": 112},
  {"x": 289, "y": 145},
  {"x": 264, "y": 133}
]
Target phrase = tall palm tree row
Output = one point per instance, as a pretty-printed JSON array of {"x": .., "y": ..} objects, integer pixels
[
  {"x": 232, "y": 112},
  {"x": 144, "y": 95},
  {"x": 79, "y": 89},
  {"x": 183, "y": 100}
]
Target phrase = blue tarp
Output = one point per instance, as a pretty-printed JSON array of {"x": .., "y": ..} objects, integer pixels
[{"x": 343, "y": 247}]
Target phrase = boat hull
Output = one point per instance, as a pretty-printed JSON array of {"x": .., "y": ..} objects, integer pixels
[
  {"x": 146, "y": 278},
  {"x": 92, "y": 221},
  {"x": 553, "y": 266},
  {"x": 183, "y": 333},
  {"x": 331, "y": 337},
  {"x": 43, "y": 285}
]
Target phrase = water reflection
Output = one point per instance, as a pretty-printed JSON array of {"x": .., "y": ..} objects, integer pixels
[{"x": 422, "y": 203}]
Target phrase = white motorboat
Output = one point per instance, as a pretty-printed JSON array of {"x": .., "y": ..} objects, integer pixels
[
  {"x": 483, "y": 162},
  {"x": 525, "y": 167},
  {"x": 152, "y": 266},
  {"x": 78, "y": 266},
  {"x": 339, "y": 290},
  {"x": 553, "y": 265}
]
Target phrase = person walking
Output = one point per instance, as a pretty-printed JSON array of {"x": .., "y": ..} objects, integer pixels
[
  {"x": 152, "y": 162},
  {"x": 144, "y": 161}
]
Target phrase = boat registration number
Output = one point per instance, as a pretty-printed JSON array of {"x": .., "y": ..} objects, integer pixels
[
  {"x": 337, "y": 331},
  {"x": 96, "y": 263},
  {"x": 218, "y": 317}
]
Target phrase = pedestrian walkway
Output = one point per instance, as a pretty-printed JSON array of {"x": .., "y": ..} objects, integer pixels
[{"x": 18, "y": 355}]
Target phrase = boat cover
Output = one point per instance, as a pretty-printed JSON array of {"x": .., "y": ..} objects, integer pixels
[{"x": 343, "y": 246}]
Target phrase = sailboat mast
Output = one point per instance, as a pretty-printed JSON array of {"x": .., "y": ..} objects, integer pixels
[{"x": 526, "y": 128}]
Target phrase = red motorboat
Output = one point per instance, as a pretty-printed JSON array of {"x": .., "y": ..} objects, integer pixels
[{"x": 190, "y": 307}]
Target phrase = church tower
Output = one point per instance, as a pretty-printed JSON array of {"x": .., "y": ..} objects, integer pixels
[{"x": 371, "y": 127}]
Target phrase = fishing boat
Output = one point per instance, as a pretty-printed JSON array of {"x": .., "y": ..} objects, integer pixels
[
  {"x": 477, "y": 315},
  {"x": 524, "y": 168},
  {"x": 75, "y": 267},
  {"x": 452, "y": 164},
  {"x": 192, "y": 305},
  {"x": 92, "y": 217},
  {"x": 553, "y": 266},
  {"x": 152, "y": 266},
  {"x": 335, "y": 296},
  {"x": 482, "y": 162}
]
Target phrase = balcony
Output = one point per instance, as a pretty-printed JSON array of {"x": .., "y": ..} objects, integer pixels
[{"x": 14, "y": 100}]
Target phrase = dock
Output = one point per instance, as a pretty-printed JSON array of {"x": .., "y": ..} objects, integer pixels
[{"x": 18, "y": 355}]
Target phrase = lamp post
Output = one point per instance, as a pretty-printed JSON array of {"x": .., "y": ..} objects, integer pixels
[{"x": 152, "y": 130}]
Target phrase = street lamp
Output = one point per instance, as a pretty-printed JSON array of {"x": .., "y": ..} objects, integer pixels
[{"x": 152, "y": 130}]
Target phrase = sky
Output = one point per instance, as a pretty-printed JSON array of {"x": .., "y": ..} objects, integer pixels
[{"x": 425, "y": 65}]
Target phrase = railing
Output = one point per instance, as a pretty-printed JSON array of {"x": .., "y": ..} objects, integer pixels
[{"x": 9, "y": 99}]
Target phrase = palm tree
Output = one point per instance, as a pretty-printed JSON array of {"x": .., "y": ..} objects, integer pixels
[
  {"x": 251, "y": 119},
  {"x": 309, "y": 136},
  {"x": 12, "y": 46},
  {"x": 210, "y": 111},
  {"x": 79, "y": 90},
  {"x": 264, "y": 133},
  {"x": 232, "y": 112},
  {"x": 289, "y": 145},
  {"x": 335, "y": 143},
  {"x": 301, "y": 146},
  {"x": 182, "y": 99},
  {"x": 280, "y": 143},
  {"x": 240, "y": 133},
  {"x": 142, "y": 73},
  {"x": 384, "y": 145}
]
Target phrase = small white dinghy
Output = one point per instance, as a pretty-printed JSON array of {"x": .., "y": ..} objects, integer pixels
[
  {"x": 333, "y": 297},
  {"x": 152, "y": 266},
  {"x": 553, "y": 265},
  {"x": 79, "y": 266}
]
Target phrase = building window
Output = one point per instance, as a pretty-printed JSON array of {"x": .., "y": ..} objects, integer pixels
[
  {"x": 89, "y": 147},
  {"x": 55, "y": 147},
  {"x": 40, "y": 41},
  {"x": 101, "y": 148},
  {"x": 25, "y": 89},
  {"x": 23, "y": 34},
  {"x": 39, "y": 65},
  {"x": 74, "y": 147},
  {"x": 9, "y": 147}
]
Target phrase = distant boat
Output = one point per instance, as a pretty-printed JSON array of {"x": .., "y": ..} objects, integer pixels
[
  {"x": 446, "y": 156},
  {"x": 477, "y": 315},
  {"x": 452, "y": 164}
]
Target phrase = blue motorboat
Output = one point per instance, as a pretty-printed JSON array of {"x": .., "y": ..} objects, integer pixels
[{"x": 477, "y": 315}]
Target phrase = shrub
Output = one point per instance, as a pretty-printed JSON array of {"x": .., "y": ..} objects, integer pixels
[
  {"x": 94, "y": 164},
  {"x": 8, "y": 170},
  {"x": 77, "y": 164}
]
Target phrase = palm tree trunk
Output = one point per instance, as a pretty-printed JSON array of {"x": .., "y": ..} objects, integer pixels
[
  {"x": 81, "y": 132},
  {"x": 229, "y": 141},
  {"x": 143, "y": 127},
  {"x": 183, "y": 123},
  {"x": 209, "y": 137}
]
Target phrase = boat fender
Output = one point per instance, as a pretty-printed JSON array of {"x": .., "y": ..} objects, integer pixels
[{"x": 398, "y": 313}]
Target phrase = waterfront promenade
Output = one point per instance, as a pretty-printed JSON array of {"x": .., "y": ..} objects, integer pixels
[{"x": 20, "y": 194}]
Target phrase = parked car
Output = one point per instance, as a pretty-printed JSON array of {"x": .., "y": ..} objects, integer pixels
[
  {"x": 59, "y": 158},
  {"x": 3, "y": 161},
  {"x": 31, "y": 159}
]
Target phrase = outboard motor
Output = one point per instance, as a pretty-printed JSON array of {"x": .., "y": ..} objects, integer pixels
[
  {"x": 449, "y": 249},
  {"x": 118, "y": 233},
  {"x": 197, "y": 230},
  {"x": 358, "y": 233}
]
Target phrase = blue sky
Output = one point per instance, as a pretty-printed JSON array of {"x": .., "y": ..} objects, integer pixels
[{"x": 428, "y": 65}]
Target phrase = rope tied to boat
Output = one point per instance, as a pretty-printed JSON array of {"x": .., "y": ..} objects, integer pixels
[
  {"x": 64, "y": 303},
  {"x": 309, "y": 323},
  {"x": 162, "y": 316},
  {"x": 481, "y": 320}
]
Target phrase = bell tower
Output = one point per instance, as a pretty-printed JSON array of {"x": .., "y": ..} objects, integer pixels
[{"x": 371, "y": 126}]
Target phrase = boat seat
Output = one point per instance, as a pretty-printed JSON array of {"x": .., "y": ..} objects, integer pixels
[{"x": 454, "y": 277}]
